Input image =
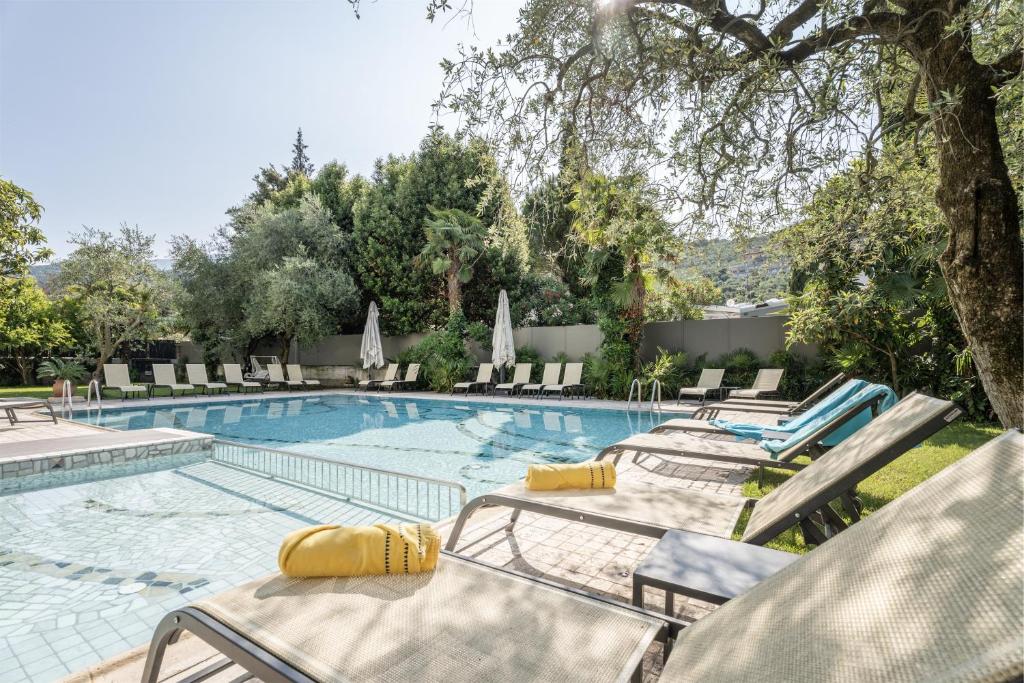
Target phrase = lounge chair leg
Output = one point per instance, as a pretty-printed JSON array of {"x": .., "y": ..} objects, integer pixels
[
  {"x": 512, "y": 520},
  {"x": 460, "y": 522},
  {"x": 167, "y": 633},
  {"x": 760, "y": 476}
]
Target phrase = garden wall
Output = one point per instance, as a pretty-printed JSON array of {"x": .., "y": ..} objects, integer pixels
[{"x": 763, "y": 336}]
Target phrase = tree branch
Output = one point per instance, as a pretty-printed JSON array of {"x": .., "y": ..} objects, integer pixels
[
  {"x": 783, "y": 31},
  {"x": 1007, "y": 67},
  {"x": 885, "y": 26}
]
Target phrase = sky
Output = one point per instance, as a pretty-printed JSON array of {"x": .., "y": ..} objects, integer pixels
[{"x": 158, "y": 113}]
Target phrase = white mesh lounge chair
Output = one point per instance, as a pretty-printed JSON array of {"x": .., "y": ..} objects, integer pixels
[
  {"x": 520, "y": 377},
  {"x": 803, "y": 499},
  {"x": 926, "y": 589},
  {"x": 483, "y": 379},
  {"x": 765, "y": 384},
  {"x": 551, "y": 374},
  {"x": 10, "y": 405},
  {"x": 295, "y": 374},
  {"x": 674, "y": 444},
  {"x": 464, "y": 622},
  {"x": 163, "y": 376},
  {"x": 196, "y": 373},
  {"x": 780, "y": 408},
  {"x": 710, "y": 381},
  {"x": 233, "y": 377},
  {"x": 115, "y": 376},
  {"x": 275, "y": 376},
  {"x": 412, "y": 375},
  {"x": 572, "y": 381},
  {"x": 389, "y": 376}
]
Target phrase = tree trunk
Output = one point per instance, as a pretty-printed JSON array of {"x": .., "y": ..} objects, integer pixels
[
  {"x": 454, "y": 287},
  {"x": 982, "y": 264},
  {"x": 24, "y": 367},
  {"x": 635, "y": 317}
]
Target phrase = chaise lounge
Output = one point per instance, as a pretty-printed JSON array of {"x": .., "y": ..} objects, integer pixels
[
  {"x": 163, "y": 376},
  {"x": 710, "y": 381},
  {"x": 233, "y": 378},
  {"x": 412, "y": 375},
  {"x": 389, "y": 376},
  {"x": 115, "y": 376},
  {"x": 803, "y": 499},
  {"x": 483, "y": 379},
  {"x": 782, "y": 409},
  {"x": 196, "y": 373}
]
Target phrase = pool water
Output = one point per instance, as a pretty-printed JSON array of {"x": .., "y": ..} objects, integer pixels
[{"x": 482, "y": 446}]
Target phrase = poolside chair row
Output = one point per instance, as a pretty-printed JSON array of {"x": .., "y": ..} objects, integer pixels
[
  {"x": 115, "y": 376},
  {"x": 928, "y": 588},
  {"x": 766, "y": 384},
  {"x": 570, "y": 384},
  {"x": 391, "y": 381}
]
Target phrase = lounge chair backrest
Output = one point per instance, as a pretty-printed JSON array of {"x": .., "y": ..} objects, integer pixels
[
  {"x": 573, "y": 374},
  {"x": 892, "y": 433},
  {"x": 233, "y": 373},
  {"x": 551, "y": 373},
  {"x": 275, "y": 373},
  {"x": 710, "y": 378},
  {"x": 391, "y": 373},
  {"x": 163, "y": 373},
  {"x": 819, "y": 393},
  {"x": 412, "y": 372},
  {"x": 522, "y": 374},
  {"x": 116, "y": 375},
  {"x": 928, "y": 588},
  {"x": 294, "y": 372},
  {"x": 767, "y": 380},
  {"x": 196, "y": 373},
  {"x": 485, "y": 372}
]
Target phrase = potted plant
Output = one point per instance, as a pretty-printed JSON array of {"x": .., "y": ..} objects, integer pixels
[{"x": 60, "y": 370}]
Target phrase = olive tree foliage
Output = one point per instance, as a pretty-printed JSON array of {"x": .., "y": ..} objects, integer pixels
[
  {"x": 741, "y": 109},
  {"x": 21, "y": 240},
  {"x": 119, "y": 295}
]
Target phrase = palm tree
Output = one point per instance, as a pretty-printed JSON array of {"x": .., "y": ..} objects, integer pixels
[{"x": 455, "y": 241}]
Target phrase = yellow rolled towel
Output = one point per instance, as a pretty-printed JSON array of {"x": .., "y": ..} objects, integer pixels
[
  {"x": 332, "y": 550},
  {"x": 581, "y": 475}
]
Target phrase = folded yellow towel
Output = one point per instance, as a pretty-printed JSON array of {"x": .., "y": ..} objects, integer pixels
[
  {"x": 332, "y": 550},
  {"x": 581, "y": 475}
]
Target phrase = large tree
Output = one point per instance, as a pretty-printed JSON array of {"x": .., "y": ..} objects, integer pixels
[
  {"x": 119, "y": 295},
  {"x": 742, "y": 110},
  {"x": 29, "y": 324},
  {"x": 455, "y": 241}
]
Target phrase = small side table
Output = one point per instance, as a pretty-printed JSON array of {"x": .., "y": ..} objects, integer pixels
[
  {"x": 705, "y": 567},
  {"x": 725, "y": 391}
]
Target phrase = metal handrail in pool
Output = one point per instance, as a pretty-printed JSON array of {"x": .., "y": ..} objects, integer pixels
[{"x": 424, "y": 497}]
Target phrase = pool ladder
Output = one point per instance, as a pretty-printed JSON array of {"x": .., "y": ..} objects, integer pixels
[{"x": 637, "y": 388}]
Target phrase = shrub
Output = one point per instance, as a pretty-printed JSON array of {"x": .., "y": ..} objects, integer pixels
[
  {"x": 442, "y": 355},
  {"x": 740, "y": 366},
  {"x": 528, "y": 354},
  {"x": 669, "y": 369},
  {"x": 60, "y": 369}
]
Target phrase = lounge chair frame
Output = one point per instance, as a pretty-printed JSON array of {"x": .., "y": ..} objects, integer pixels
[
  {"x": 513, "y": 387},
  {"x": 266, "y": 666},
  {"x": 713, "y": 384},
  {"x": 281, "y": 379},
  {"x": 783, "y": 408},
  {"x": 9, "y": 406},
  {"x": 182, "y": 387},
  {"x": 389, "y": 376},
  {"x": 243, "y": 384},
  {"x": 206, "y": 385},
  {"x": 412, "y": 376},
  {"x": 809, "y": 445},
  {"x": 564, "y": 387},
  {"x": 477, "y": 382},
  {"x": 125, "y": 389}
]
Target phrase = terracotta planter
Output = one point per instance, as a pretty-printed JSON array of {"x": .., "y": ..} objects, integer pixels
[{"x": 58, "y": 388}]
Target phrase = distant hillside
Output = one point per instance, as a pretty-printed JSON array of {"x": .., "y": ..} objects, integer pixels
[
  {"x": 44, "y": 272},
  {"x": 742, "y": 269}
]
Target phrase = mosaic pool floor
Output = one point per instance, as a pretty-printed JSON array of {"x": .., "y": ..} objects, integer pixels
[{"x": 87, "y": 570}]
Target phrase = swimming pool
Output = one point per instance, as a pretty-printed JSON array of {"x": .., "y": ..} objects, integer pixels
[{"x": 482, "y": 446}]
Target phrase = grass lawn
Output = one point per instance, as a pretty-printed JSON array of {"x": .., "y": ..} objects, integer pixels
[
  {"x": 906, "y": 472},
  {"x": 43, "y": 392}
]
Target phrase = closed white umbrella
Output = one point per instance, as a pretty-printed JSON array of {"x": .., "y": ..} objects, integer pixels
[
  {"x": 371, "y": 350},
  {"x": 503, "y": 347}
]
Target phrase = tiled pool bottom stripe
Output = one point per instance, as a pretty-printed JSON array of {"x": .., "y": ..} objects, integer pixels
[{"x": 201, "y": 528}]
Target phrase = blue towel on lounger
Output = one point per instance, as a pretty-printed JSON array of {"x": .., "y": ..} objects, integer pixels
[
  {"x": 851, "y": 426},
  {"x": 755, "y": 431}
]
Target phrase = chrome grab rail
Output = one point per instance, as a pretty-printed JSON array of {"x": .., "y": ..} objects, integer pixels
[
  {"x": 65, "y": 396},
  {"x": 411, "y": 494},
  {"x": 656, "y": 393},
  {"x": 635, "y": 384},
  {"x": 88, "y": 394}
]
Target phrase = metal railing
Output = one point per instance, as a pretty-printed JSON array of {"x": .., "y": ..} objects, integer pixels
[{"x": 410, "y": 494}]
